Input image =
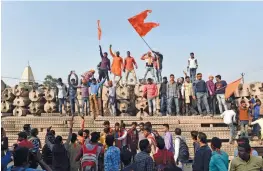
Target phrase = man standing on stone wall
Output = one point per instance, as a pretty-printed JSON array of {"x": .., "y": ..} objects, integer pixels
[
  {"x": 192, "y": 66},
  {"x": 61, "y": 94},
  {"x": 172, "y": 95},
  {"x": 104, "y": 65},
  {"x": 200, "y": 93},
  {"x": 158, "y": 65}
]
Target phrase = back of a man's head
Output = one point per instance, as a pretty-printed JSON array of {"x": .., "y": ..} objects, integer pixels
[
  {"x": 160, "y": 143},
  {"x": 34, "y": 132},
  {"x": 95, "y": 136},
  {"x": 58, "y": 140},
  {"x": 21, "y": 156},
  {"x": 143, "y": 144},
  {"x": 109, "y": 140},
  {"x": 22, "y": 135},
  {"x": 80, "y": 133},
  {"x": 147, "y": 128},
  {"x": 178, "y": 131},
  {"x": 148, "y": 124},
  {"x": 202, "y": 137},
  {"x": 216, "y": 143},
  {"x": 126, "y": 157},
  {"x": 73, "y": 138}
]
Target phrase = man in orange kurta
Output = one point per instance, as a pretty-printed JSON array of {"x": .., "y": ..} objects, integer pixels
[
  {"x": 117, "y": 64},
  {"x": 129, "y": 64}
]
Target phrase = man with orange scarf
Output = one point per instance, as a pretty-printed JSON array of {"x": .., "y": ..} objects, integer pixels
[{"x": 149, "y": 64}]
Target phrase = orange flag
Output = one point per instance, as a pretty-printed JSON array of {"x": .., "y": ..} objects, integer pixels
[
  {"x": 139, "y": 25},
  {"x": 231, "y": 88},
  {"x": 99, "y": 30}
]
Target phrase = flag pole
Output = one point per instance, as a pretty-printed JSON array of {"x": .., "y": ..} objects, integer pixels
[
  {"x": 146, "y": 43},
  {"x": 151, "y": 50}
]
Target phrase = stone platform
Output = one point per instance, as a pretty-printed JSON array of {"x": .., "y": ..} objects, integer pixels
[{"x": 213, "y": 127}]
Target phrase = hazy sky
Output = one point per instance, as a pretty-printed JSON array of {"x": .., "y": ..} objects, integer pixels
[{"x": 56, "y": 37}]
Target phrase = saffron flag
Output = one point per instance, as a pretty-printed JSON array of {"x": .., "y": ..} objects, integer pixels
[
  {"x": 139, "y": 25},
  {"x": 231, "y": 88},
  {"x": 99, "y": 30}
]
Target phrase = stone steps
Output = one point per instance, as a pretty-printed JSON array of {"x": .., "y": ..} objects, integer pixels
[{"x": 211, "y": 126}]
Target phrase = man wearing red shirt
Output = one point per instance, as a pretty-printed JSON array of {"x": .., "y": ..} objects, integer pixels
[
  {"x": 23, "y": 142},
  {"x": 150, "y": 92}
]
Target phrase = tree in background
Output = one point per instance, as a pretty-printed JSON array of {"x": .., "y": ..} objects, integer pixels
[{"x": 50, "y": 81}]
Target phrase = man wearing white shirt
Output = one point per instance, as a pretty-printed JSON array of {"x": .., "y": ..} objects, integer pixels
[
  {"x": 61, "y": 94},
  {"x": 192, "y": 66},
  {"x": 230, "y": 119},
  {"x": 112, "y": 97},
  {"x": 123, "y": 138}
]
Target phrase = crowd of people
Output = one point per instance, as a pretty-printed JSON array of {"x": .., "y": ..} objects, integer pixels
[{"x": 140, "y": 148}]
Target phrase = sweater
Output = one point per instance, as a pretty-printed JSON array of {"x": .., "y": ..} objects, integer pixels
[
  {"x": 243, "y": 114},
  {"x": 199, "y": 86},
  {"x": 202, "y": 159}
]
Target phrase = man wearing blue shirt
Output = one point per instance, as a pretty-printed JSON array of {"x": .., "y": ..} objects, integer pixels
[
  {"x": 94, "y": 88},
  {"x": 255, "y": 116}
]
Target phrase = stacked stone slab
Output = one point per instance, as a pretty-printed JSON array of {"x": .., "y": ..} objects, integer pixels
[
  {"x": 7, "y": 99},
  {"x": 125, "y": 100},
  {"x": 36, "y": 107},
  {"x": 130, "y": 100},
  {"x": 50, "y": 96},
  {"x": 21, "y": 100}
]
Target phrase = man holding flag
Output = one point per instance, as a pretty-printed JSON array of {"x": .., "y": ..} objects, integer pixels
[
  {"x": 104, "y": 65},
  {"x": 158, "y": 65},
  {"x": 143, "y": 28}
]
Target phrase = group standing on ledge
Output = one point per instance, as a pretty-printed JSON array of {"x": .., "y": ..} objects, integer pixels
[{"x": 188, "y": 95}]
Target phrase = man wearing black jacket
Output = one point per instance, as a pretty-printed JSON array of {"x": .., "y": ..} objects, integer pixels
[
  {"x": 163, "y": 96},
  {"x": 159, "y": 65},
  {"x": 104, "y": 65},
  {"x": 202, "y": 155}
]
